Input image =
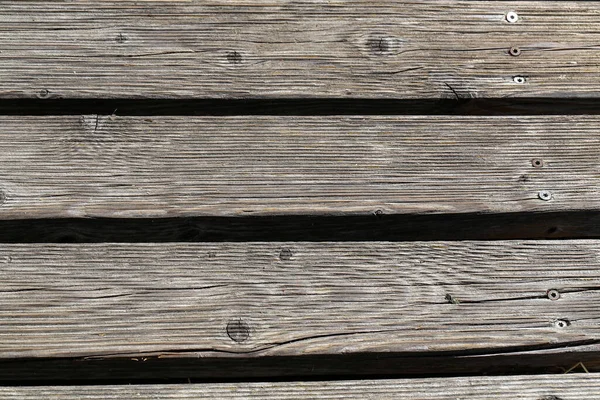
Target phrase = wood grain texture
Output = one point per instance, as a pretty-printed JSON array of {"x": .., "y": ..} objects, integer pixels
[
  {"x": 297, "y": 299},
  {"x": 108, "y": 166},
  {"x": 526, "y": 387},
  {"x": 280, "y": 48}
]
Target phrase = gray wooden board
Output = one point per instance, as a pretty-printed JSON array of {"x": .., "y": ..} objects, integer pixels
[
  {"x": 280, "y": 48},
  {"x": 525, "y": 387},
  {"x": 110, "y": 166},
  {"x": 297, "y": 299}
]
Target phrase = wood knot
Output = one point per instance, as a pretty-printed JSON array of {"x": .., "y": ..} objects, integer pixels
[
  {"x": 121, "y": 38},
  {"x": 381, "y": 46},
  {"x": 238, "y": 330},
  {"x": 43, "y": 94},
  {"x": 285, "y": 254},
  {"x": 234, "y": 57}
]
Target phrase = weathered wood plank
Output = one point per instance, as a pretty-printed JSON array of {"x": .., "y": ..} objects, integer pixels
[
  {"x": 526, "y": 387},
  {"x": 277, "y": 48},
  {"x": 108, "y": 166},
  {"x": 297, "y": 299}
]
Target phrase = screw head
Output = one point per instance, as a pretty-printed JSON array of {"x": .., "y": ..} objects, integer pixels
[
  {"x": 562, "y": 323},
  {"x": 514, "y": 51},
  {"x": 544, "y": 195},
  {"x": 537, "y": 162},
  {"x": 512, "y": 17},
  {"x": 553, "y": 294}
]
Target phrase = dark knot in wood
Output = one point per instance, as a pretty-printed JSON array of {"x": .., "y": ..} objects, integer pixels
[
  {"x": 238, "y": 330},
  {"x": 234, "y": 57},
  {"x": 285, "y": 254}
]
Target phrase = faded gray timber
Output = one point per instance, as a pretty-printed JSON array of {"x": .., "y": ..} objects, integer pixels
[
  {"x": 258, "y": 299},
  {"x": 110, "y": 166},
  {"x": 280, "y": 48},
  {"x": 536, "y": 387}
]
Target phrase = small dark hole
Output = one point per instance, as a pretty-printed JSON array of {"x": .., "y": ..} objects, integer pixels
[{"x": 552, "y": 230}]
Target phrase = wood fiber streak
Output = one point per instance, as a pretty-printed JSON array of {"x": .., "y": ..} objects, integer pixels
[
  {"x": 282, "y": 49},
  {"x": 110, "y": 166},
  {"x": 526, "y": 387},
  {"x": 297, "y": 299}
]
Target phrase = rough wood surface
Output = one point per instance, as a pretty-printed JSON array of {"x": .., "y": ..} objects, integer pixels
[
  {"x": 280, "y": 48},
  {"x": 109, "y": 166},
  {"x": 526, "y": 387},
  {"x": 296, "y": 299}
]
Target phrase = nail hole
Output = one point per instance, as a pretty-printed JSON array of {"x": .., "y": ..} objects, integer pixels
[
  {"x": 519, "y": 79},
  {"x": 553, "y": 294},
  {"x": 285, "y": 254},
  {"x": 538, "y": 163},
  {"x": 545, "y": 195},
  {"x": 378, "y": 212},
  {"x": 238, "y": 330},
  {"x": 234, "y": 57},
  {"x": 512, "y": 17},
  {"x": 562, "y": 323}
]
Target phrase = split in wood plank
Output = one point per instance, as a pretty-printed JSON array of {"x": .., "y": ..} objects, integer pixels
[
  {"x": 295, "y": 299},
  {"x": 282, "y": 49},
  {"x": 122, "y": 167},
  {"x": 525, "y": 387}
]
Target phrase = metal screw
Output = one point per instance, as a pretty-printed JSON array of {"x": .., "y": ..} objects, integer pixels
[
  {"x": 519, "y": 79},
  {"x": 514, "y": 51},
  {"x": 553, "y": 294},
  {"x": 512, "y": 17},
  {"x": 562, "y": 323},
  {"x": 537, "y": 162},
  {"x": 43, "y": 93},
  {"x": 545, "y": 195}
]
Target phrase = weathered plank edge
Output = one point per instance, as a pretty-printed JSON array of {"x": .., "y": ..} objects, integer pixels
[{"x": 524, "y": 387}]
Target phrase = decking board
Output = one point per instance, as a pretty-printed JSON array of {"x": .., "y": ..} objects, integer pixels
[
  {"x": 152, "y": 167},
  {"x": 281, "y": 49},
  {"x": 526, "y": 387},
  {"x": 251, "y": 300}
]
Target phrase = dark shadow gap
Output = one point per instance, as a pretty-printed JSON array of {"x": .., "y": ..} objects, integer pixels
[
  {"x": 153, "y": 370},
  {"x": 222, "y": 107},
  {"x": 523, "y": 225}
]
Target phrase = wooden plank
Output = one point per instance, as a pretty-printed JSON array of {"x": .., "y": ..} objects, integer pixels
[
  {"x": 526, "y": 387},
  {"x": 278, "y": 49},
  {"x": 250, "y": 300},
  {"x": 108, "y": 166}
]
